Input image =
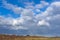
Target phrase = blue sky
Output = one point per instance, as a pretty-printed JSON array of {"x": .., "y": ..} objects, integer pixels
[{"x": 30, "y": 17}]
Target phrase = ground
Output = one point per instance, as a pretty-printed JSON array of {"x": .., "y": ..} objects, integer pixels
[{"x": 14, "y": 37}]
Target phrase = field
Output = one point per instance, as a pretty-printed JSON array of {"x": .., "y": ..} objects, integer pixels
[{"x": 13, "y": 37}]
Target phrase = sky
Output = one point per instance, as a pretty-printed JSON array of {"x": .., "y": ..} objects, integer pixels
[{"x": 30, "y": 17}]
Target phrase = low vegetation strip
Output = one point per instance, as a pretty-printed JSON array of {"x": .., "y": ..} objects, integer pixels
[{"x": 13, "y": 37}]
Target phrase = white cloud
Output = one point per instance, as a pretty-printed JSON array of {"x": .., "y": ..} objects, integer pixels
[
  {"x": 27, "y": 12},
  {"x": 12, "y": 7},
  {"x": 51, "y": 17},
  {"x": 37, "y": 10},
  {"x": 41, "y": 5},
  {"x": 29, "y": 6},
  {"x": 43, "y": 22},
  {"x": 10, "y": 23}
]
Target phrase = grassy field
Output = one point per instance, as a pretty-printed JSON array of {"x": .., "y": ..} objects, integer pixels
[{"x": 13, "y": 37}]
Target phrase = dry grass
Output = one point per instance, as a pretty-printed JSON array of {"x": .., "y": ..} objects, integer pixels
[{"x": 13, "y": 37}]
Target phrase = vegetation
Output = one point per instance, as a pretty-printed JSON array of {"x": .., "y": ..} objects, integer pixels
[{"x": 13, "y": 37}]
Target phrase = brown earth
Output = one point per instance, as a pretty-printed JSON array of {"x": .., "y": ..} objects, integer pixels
[{"x": 14, "y": 37}]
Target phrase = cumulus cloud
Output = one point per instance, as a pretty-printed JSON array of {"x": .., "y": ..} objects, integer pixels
[
  {"x": 29, "y": 5},
  {"x": 43, "y": 23},
  {"x": 51, "y": 17},
  {"x": 10, "y": 23},
  {"x": 11, "y": 7},
  {"x": 27, "y": 12},
  {"x": 42, "y": 4}
]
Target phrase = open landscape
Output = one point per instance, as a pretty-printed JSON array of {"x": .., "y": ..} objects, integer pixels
[
  {"x": 14, "y": 37},
  {"x": 29, "y": 19}
]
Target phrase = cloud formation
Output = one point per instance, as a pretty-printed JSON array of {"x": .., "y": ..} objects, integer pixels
[{"x": 43, "y": 23}]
